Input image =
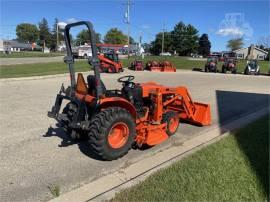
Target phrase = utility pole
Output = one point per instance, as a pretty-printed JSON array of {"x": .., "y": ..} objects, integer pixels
[
  {"x": 57, "y": 36},
  {"x": 162, "y": 45},
  {"x": 127, "y": 16}
]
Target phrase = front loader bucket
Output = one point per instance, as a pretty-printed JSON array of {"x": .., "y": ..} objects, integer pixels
[
  {"x": 155, "y": 69},
  {"x": 169, "y": 69},
  {"x": 202, "y": 115}
]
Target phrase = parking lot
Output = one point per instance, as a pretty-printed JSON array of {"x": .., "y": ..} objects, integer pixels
[{"x": 35, "y": 156}]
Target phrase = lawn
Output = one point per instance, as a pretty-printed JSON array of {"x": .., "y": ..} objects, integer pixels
[
  {"x": 24, "y": 70},
  {"x": 233, "y": 169},
  {"x": 25, "y": 54}
]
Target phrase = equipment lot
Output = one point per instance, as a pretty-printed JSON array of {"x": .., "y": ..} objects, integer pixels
[{"x": 32, "y": 159}]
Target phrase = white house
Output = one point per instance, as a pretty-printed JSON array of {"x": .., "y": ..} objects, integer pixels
[{"x": 251, "y": 52}]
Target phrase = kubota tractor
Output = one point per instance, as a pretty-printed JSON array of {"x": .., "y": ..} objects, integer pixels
[
  {"x": 137, "y": 65},
  {"x": 211, "y": 64},
  {"x": 110, "y": 63},
  {"x": 229, "y": 65},
  {"x": 137, "y": 114},
  {"x": 164, "y": 66}
]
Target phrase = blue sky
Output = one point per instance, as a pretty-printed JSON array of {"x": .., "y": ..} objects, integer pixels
[{"x": 249, "y": 19}]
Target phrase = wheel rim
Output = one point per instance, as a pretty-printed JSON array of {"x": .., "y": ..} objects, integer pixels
[
  {"x": 173, "y": 124},
  {"x": 118, "y": 135}
]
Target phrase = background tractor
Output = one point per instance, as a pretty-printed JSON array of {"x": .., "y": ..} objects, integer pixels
[
  {"x": 109, "y": 62},
  {"x": 164, "y": 66},
  {"x": 211, "y": 65},
  {"x": 114, "y": 120},
  {"x": 137, "y": 65},
  {"x": 252, "y": 67},
  {"x": 229, "y": 65}
]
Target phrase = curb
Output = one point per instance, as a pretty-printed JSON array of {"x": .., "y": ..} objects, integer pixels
[{"x": 105, "y": 187}]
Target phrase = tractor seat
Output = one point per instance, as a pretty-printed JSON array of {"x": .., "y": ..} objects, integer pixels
[{"x": 91, "y": 80}]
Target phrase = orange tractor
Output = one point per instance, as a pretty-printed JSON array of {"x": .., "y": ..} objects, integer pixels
[
  {"x": 115, "y": 120},
  {"x": 109, "y": 63},
  {"x": 164, "y": 66}
]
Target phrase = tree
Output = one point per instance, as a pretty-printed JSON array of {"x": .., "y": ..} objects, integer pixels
[
  {"x": 185, "y": 39},
  {"x": 131, "y": 40},
  {"x": 44, "y": 33},
  {"x": 146, "y": 47},
  {"x": 115, "y": 36},
  {"x": 27, "y": 32},
  {"x": 156, "y": 45},
  {"x": 235, "y": 44},
  {"x": 204, "y": 45},
  {"x": 83, "y": 37}
]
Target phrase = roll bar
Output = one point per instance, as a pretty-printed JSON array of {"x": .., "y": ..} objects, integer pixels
[{"x": 69, "y": 59}]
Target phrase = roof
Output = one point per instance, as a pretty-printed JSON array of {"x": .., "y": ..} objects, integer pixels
[
  {"x": 16, "y": 44},
  {"x": 249, "y": 47}
]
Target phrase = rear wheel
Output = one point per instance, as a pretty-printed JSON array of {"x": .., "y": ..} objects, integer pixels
[
  {"x": 172, "y": 120},
  {"x": 112, "y": 133},
  {"x": 69, "y": 111}
]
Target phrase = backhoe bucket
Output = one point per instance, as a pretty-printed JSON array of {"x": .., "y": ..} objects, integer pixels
[{"x": 202, "y": 115}]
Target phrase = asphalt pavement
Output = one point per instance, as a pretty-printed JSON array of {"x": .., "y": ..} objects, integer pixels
[{"x": 36, "y": 154}]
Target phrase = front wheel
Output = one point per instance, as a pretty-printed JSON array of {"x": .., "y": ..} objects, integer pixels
[
  {"x": 172, "y": 120},
  {"x": 112, "y": 133}
]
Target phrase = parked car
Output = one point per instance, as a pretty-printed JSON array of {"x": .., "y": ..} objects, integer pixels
[{"x": 165, "y": 54}]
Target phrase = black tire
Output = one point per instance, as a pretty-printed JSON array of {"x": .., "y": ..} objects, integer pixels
[
  {"x": 234, "y": 71},
  {"x": 167, "y": 119},
  {"x": 205, "y": 69},
  {"x": 69, "y": 110},
  {"x": 100, "y": 128},
  {"x": 223, "y": 70},
  {"x": 246, "y": 71}
]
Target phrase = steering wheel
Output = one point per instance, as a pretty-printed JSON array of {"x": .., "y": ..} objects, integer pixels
[{"x": 126, "y": 79}]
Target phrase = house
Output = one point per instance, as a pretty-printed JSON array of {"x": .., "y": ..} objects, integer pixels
[
  {"x": 251, "y": 52},
  {"x": 15, "y": 46}
]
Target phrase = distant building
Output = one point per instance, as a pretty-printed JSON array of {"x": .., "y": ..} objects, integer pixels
[
  {"x": 15, "y": 46},
  {"x": 251, "y": 52}
]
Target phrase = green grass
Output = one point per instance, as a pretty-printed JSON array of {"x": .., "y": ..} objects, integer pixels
[
  {"x": 24, "y": 54},
  {"x": 55, "y": 190},
  {"x": 233, "y": 169},
  {"x": 24, "y": 70}
]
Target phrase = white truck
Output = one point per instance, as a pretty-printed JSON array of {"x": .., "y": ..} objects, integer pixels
[{"x": 83, "y": 51}]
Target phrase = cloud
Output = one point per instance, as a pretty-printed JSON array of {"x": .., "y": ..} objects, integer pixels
[
  {"x": 234, "y": 31},
  {"x": 145, "y": 26},
  {"x": 71, "y": 20},
  {"x": 234, "y": 24}
]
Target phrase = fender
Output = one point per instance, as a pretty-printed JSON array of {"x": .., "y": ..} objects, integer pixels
[{"x": 118, "y": 102}]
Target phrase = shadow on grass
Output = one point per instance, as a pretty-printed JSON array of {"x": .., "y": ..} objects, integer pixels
[{"x": 252, "y": 142}]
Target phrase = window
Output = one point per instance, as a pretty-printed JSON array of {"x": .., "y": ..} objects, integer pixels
[
  {"x": 261, "y": 57},
  {"x": 240, "y": 55}
]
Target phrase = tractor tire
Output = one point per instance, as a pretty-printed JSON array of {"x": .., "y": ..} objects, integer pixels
[
  {"x": 172, "y": 120},
  {"x": 246, "y": 72},
  {"x": 205, "y": 69},
  {"x": 70, "y": 110},
  {"x": 223, "y": 70},
  {"x": 112, "y": 132},
  {"x": 234, "y": 71}
]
